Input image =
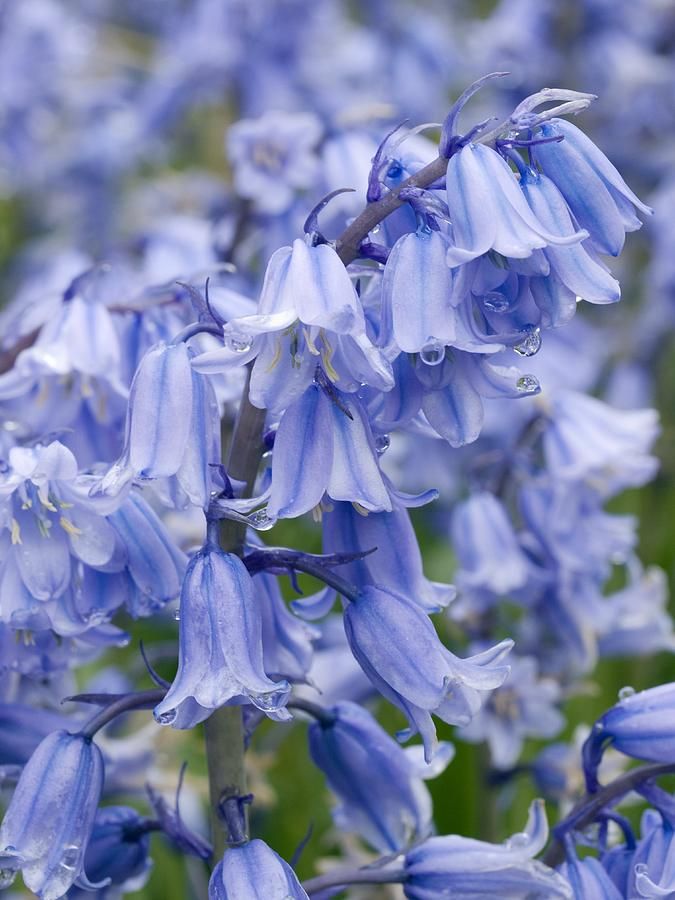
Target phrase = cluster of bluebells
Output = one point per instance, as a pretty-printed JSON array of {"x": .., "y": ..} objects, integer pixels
[{"x": 368, "y": 351}]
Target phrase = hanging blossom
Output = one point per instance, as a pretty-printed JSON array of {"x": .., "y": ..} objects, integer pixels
[{"x": 71, "y": 560}]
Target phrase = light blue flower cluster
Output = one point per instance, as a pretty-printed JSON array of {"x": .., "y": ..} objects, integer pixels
[{"x": 357, "y": 361}]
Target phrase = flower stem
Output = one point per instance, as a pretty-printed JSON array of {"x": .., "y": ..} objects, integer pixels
[
  {"x": 120, "y": 705},
  {"x": 339, "y": 877},
  {"x": 224, "y": 729},
  {"x": 347, "y": 245},
  {"x": 592, "y": 805}
]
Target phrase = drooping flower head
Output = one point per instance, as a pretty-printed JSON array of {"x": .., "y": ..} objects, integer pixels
[
  {"x": 220, "y": 644},
  {"x": 254, "y": 872},
  {"x": 51, "y": 815}
]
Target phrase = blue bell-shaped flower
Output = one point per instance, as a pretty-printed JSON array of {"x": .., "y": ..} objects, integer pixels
[
  {"x": 416, "y": 293},
  {"x": 597, "y": 195},
  {"x": 397, "y": 647},
  {"x": 397, "y": 561},
  {"x": 577, "y": 269},
  {"x": 640, "y": 725},
  {"x": 454, "y": 866},
  {"x": 488, "y": 210},
  {"x": 220, "y": 657},
  {"x": 50, "y": 818},
  {"x": 380, "y": 789},
  {"x": 331, "y": 436},
  {"x": 118, "y": 850},
  {"x": 254, "y": 872}
]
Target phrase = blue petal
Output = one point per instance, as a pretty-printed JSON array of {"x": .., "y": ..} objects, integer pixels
[
  {"x": 44, "y": 562},
  {"x": 303, "y": 455},
  {"x": 155, "y": 564},
  {"x": 355, "y": 474},
  {"x": 254, "y": 872},
  {"x": 416, "y": 290},
  {"x": 160, "y": 411},
  {"x": 579, "y": 272}
]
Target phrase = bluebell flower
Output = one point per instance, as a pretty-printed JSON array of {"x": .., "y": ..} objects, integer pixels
[
  {"x": 380, "y": 789},
  {"x": 254, "y": 872},
  {"x": 588, "y": 879},
  {"x": 332, "y": 437},
  {"x": 397, "y": 647},
  {"x": 576, "y": 269},
  {"x": 71, "y": 560},
  {"x": 597, "y": 195},
  {"x": 306, "y": 284},
  {"x": 636, "y": 621},
  {"x": 524, "y": 706},
  {"x": 417, "y": 305},
  {"x": 274, "y": 157},
  {"x": 465, "y": 868},
  {"x": 488, "y": 210},
  {"x": 397, "y": 562},
  {"x": 643, "y": 868},
  {"x": 570, "y": 534},
  {"x": 220, "y": 648},
  {"x": 587, "y": 439},
  {"x": 309, "y": 313},
  {"x": 640, "y": 725},
  {"x": 118, "y": 851},
  {"x": 155, "y": 565},
  {"x": 50, "y": 818},
  {"x": 172, "y": 426},
  {"x": 454, "y": 390},
  {"x": 490, "y": 557}
]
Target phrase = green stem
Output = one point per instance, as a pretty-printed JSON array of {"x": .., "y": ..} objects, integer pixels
[{"x": 224, "y": 729}]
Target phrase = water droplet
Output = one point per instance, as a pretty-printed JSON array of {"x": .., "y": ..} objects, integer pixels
[
  {"x": 71, "y": 857},
  {"x": 382, "y": 443},
  {"x": 433, "y": 353},
  {"x": 626, "y": 692},
  {"x": 261, "y": 521},
  {"x": 641, "y": 869},
  {"x": 176, "y": 615},
  {"x": 266, "y": 701},
  {"x": 528, "y": 384},
  {"x": 375, "y": 230},
  {"x": 238, "y": 341},
  {"x": 495, "y": 302},
  {"x": 10, "y": 848},
  {"x": 519, "y": 839},
  {"x": 166, "y": 718},
  {"x": 530, "y": 343}
]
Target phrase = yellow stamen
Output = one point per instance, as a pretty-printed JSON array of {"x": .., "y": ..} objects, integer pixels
[
  {"x": 68, "y": 526},
  {"x": 16, "y": 532},
  {"x": 276, "y": 357},
  {"x": 327, "y": 356}
]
